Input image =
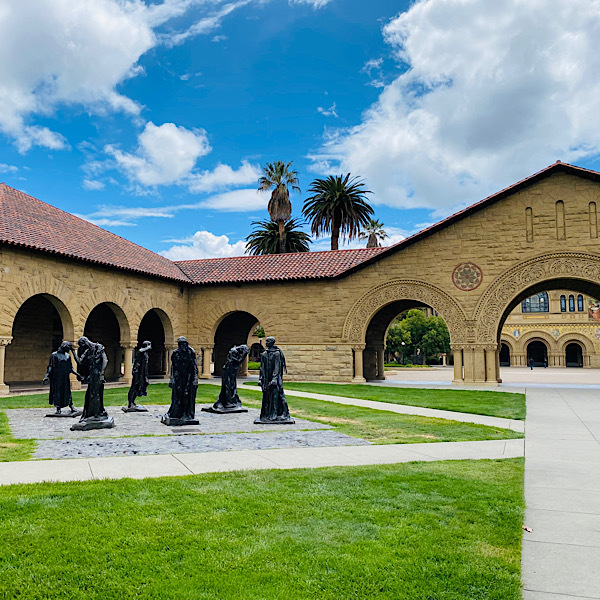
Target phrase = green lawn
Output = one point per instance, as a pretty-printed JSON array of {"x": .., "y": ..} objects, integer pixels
[
  {"x": 379, "y": 427},
  {"x": 493, "y": 404},
  {"x": 420, "y": 531}
]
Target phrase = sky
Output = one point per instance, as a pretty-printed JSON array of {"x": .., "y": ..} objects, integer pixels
[{"x": 153, "y": 119}]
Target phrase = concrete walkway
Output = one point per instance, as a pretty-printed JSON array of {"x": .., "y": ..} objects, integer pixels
[
  {"x": 403, "y": 409},
  {"x": 139, "y": 467},
  {"x": 561, "y": 557}
]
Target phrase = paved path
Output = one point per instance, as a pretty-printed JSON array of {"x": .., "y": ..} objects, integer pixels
[
  {"x": 139, "y": 467},
  {"x": 497, "y": 422},
  {"x": 561, "y": 557}
]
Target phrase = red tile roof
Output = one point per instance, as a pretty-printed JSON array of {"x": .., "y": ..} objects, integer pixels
[
  {"x": 276, "y": 267},
  {"x": 31, "y": 223}
]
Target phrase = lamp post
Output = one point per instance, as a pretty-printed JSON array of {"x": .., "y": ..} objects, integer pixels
[{"x": 403, "y": 344}]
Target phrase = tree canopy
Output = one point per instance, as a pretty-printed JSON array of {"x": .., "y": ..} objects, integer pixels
[{"x": 265, "y": 238}]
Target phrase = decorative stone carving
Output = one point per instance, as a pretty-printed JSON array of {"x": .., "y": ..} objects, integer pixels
[
  {"x": 363, "y": 311},
  {"x": 467, "y": 276},
  {"x": 497, "y": 298}
]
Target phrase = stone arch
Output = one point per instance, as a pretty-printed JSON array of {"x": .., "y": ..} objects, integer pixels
[
  {"x": 363, "y": 311},
  {"x": 221, "y": 310},
  {"x": 568, "y": 338},
  {"x": 566, "y": 270},
  {"x": 535, "y": 335},
  {"x": 119, "y": 303},
  {"x": 232, "y": 330},
  {"x": 170, "y": 319},
  {"x": 507, "y": 360},
  {"x": 53, "y": 289},
  {"x": 155, "y": 326}
]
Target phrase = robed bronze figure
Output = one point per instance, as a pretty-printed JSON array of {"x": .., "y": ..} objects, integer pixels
[
  {"x": 59, "y": 369},
  {"x": 229, "y": 401}
]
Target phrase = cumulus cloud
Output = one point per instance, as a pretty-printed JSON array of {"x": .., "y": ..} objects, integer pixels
[
  {"x": 328, "y": 112},
  {"x": 204, "y": 244},
  {"x": 223, "y": 176},
  {"x": 245, "y": 200},
  {"x": 165, "y": 154},
  {"x": 491, "y": 92}
]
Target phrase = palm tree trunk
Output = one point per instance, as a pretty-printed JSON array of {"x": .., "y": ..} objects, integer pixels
[
  {"x": 281, "y": 224},
  {"x": 335, "y": 235}
]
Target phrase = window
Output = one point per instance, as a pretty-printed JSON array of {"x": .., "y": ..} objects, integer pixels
[
  {"x": 537, "y": 303},
  {"x": 571, "y": 303},
  {"x": 580, "y": 303},
  {"x": 563, "y": 304}
]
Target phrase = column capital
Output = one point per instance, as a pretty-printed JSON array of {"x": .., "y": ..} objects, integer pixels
[
  {"x": 5, "y": 340},
  {"x": 128, "y": 345},
  {"x": 208, "y": 346},
  {"x": 359, "y": 347}
]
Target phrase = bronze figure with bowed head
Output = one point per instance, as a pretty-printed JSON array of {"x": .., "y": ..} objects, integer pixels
[
  {"x": 140, "y": 379},
  {"x": 229, "y": 401},
  {"x": 60, "y": 367}
]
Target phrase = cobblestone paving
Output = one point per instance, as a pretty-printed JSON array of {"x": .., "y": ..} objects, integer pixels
[
  {"x": 88, "y": 448},
  {"x": 30, "y": 423}
]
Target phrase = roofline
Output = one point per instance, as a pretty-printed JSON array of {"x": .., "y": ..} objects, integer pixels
[
  {"x": 184, "y": 280},
  {"x": 557, "y": 167}
]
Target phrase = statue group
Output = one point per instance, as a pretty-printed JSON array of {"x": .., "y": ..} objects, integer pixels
[{"x": 91, "y": 362}]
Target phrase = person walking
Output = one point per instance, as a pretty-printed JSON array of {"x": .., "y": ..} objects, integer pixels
[{"x": 531, "y": 363}]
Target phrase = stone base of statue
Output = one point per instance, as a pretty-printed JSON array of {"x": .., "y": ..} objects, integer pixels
[
  {"x": 172, "y": 422},
  {"x": 70, "y": 415},
  {"x": 135, "y": 408},
  {"x": 104, "y": 422},
  {"x": 278, "y": 421},
  {"x": 221, "y": 410}
]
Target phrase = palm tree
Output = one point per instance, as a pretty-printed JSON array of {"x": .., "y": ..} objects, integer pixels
[
  {"x": 278, "y": 176},
  {"x": 373, "y": 233},
  {"x": 265, "y": 239},
  {"x": 339, "y": 206}
]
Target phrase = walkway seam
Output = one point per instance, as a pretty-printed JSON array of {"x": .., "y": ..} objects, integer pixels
[{"x": 182, "y": 464}]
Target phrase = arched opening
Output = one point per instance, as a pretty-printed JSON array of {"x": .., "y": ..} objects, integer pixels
[
  {"x": 40, "y": 325},
  {"x": 233, "y": 330},
  {"x": 156, "y": 328},
  {"x": 385, "y": 331},
  {"x": 504, "y": 355},
  {"x": 573, "y": 355},
  {"x": 103, "y": 327},
  {"x": 538, "y": 351}
]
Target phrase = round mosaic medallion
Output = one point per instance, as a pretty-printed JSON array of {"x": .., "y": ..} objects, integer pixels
[{"x": 467, "y": 276}]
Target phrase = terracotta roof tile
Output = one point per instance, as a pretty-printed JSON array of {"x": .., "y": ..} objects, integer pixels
[
  {"x": 276, "y": 267},
  {"x": 31, "y": 223}
]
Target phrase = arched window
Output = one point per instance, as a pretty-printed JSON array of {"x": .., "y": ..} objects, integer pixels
[
  {"x": 580, "y": 303},
  {"x": 571, "y": 303},
  {"x": 537, "y": 303},
  {"x": 563, "y": 304}
]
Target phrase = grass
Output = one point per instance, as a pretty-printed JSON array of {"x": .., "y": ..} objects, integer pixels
[
  {"x": 443, "y": 531},
  {"x": 10, "y": 448},
  {"x": 493, "y": 404}
]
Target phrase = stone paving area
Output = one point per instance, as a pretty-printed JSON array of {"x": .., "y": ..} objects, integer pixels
[
  {"x": 90, "y": 448},
  {"x": 30, "y": 423}
]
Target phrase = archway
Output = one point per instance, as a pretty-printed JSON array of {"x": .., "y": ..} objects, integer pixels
[
  {"x": 573, "y": 355},
  {"x": 233, "y": 330},
  {"x": 156, "y": 327},
  {"x": 538, "y": 351},
  {"x": 504, "y": 355},
  {"x": 103, "y": 326},
  {"x": 40, "y": 325}
]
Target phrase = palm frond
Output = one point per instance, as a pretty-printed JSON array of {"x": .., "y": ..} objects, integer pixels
[{"x": 265, "y": 238}]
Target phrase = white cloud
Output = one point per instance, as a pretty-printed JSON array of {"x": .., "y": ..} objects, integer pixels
[
  {"x": 493, "y": 91},
  {"x": 245, "y": 200},
  {"x": 92, "y": 184},
  {"x": 204, "y": 244},
  {"x": 4, "y": 168},
  {"x": 328, "y": 112},
  {"x": 314, "y": 3},
  {"x": 223, "y": 176},
  {"x": 165, "y": 154},
  {"x": 219, "y": 38},
  {"x": 395, "y": 235}
]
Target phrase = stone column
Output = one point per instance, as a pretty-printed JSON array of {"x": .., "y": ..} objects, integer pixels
[
  {"x": 128, "y": 361},
  {"x": 358, "y": 364},
  {"x": 479, "y": 365},
  {"x": 468, "y": 365},
  {"x": 4, "y": 341},
  {"x": 491, "y": 374},
  {"x": 206, "y": 352},
  {"x": 458, "y": 365},
  {"x": 380, "y": 363},
  {"x": 498, "y": 378}
]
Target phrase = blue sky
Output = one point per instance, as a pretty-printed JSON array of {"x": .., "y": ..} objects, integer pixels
[{"x": 152, "y": 119}]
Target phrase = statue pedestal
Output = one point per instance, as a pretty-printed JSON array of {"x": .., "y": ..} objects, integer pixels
[
  {"x": 133, "y": 409},
  {"x": 225, "y": 411},
  {"x": 70, "y": 415},
  {"x": 94, "y": 423},
  {"x": 288, "y": 421},
  {"x": 166, "y": 420}
]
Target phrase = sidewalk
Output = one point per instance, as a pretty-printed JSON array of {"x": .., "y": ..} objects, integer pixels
[{"x": 139, "y": 467}]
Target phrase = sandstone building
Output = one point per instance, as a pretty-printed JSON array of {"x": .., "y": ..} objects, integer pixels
[{"x": 61, "y": 277}]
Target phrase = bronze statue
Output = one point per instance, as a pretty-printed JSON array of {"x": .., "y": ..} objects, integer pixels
[
  {"x": 229, "y": 401},
  {"x": 139, "y": 380},
  {"x": 59, "y": 369},
  {"x": 92, "y": 358},
  {"x": 272, "y": 365},
  {"x": 184, "y": 384}
]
